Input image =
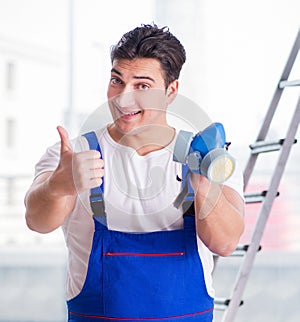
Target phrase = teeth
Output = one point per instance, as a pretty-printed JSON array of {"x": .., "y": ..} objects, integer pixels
[
  {"x": 128, "y": 114},
  {"x": 131, "y": 114}
]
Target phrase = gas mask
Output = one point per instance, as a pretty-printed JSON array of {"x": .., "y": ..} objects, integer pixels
[{"x": 205, "y": 153}]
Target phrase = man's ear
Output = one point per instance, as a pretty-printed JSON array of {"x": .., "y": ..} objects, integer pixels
[{"x": 172, "y": 91}]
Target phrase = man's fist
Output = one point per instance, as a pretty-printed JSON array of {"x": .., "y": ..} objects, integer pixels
[{"x": 76, "y": 172}]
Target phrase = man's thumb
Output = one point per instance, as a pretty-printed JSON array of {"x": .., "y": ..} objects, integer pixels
[{"x": 64, "y": 139}]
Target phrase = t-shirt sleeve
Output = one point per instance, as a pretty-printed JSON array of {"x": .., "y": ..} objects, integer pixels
[{"x": 49, "y": 161}]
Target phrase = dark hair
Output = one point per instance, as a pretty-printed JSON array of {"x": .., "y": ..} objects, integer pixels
[{"x": 149, "y": 41}]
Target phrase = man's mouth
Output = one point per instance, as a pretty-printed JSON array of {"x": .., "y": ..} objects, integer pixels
[
  {"x": 127, "y": 113},
  {"x": 131, "y": 114}
]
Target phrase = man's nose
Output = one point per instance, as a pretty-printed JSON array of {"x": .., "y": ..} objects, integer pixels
[{"x": 126, "y": 98}]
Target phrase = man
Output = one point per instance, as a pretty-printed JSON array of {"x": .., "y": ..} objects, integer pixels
[{"x": 139, "y": 258}]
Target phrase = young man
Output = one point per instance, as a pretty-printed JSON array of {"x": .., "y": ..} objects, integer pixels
[{"x": 139, "y": 258}]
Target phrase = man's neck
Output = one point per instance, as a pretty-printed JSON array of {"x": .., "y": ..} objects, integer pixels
[{"x": 144, "y": 140}]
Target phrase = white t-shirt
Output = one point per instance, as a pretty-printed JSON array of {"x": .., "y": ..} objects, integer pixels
[{"x": 139, "y": 193}]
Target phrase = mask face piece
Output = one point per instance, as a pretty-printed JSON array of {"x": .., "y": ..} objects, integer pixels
[{"x": 205, "y": 153}]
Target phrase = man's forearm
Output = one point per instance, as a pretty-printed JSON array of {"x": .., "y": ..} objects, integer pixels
[
  {"x": 219, "y": 215},
  {"x": 45, "y": 210}
]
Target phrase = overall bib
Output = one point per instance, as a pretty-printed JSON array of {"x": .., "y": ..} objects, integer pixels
[{"x": 156, "y": 276}]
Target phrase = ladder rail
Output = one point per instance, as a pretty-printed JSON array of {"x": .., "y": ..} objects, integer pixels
[
  {"x": 272, "y": 108},
  {"x": 261, "y": 222}
]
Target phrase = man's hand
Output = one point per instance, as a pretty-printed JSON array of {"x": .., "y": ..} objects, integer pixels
[{"x": 76, "y": 172}]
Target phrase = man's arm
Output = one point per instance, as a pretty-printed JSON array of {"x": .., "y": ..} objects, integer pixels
[
  {"x": 46, "y": 210},
  {"x": 52, "y": 195},
  {"x": 219, "y": 212}
]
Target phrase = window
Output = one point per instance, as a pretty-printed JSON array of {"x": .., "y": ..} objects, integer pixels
[
  {"x": 10, "y": 74},
  {"x": 10, "y": 131}
]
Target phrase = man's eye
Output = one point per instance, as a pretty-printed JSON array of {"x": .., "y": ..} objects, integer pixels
[
  {"x": 115, "y": 81},
  {"x": 143, "y": 87}
]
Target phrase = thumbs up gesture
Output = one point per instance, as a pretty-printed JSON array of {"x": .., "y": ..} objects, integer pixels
[{"x": 76, "y": 172}]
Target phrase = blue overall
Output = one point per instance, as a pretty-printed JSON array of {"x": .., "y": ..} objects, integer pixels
[{"x": 155, "y": 276}]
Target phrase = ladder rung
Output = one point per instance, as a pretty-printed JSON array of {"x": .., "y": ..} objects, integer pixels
[
  {"x": 287, "y": 83},
  {"x": 221, "y": 304},
  {"x": 263, "y": 146},
  {"x": 254, "y": 197},
  {"x": 241, "y": 250}
]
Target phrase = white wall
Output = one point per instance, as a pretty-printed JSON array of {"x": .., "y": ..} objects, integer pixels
[
  {"x": 236, "y": 52},
  {"x": 31, "y": 38}
]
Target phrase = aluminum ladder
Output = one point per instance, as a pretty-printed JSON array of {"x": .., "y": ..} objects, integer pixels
[{"x": 266, "y": 198}]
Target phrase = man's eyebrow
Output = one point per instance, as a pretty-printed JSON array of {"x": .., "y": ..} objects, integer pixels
[
  {"x": 113, "y": 70},
  {"x": 144, "y": 77}
]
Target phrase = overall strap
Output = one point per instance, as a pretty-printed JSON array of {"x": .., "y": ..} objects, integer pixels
[
  {"x": 186, "y": 196},
  {"x": 96, "y": 194}
]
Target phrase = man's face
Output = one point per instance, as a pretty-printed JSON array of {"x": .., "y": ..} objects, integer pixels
[{"x": 137, "y": 94}]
